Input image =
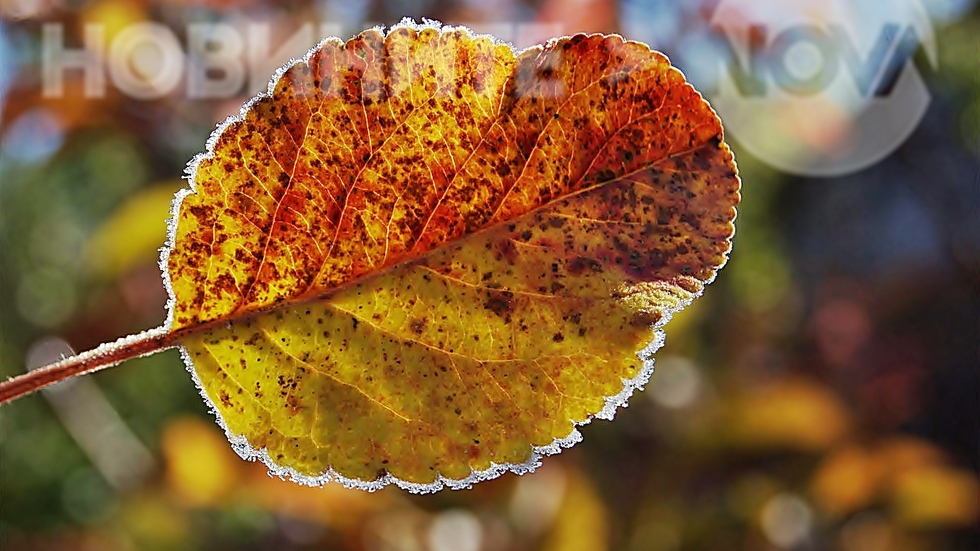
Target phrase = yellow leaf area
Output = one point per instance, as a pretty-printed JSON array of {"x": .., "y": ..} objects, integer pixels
[{"x": 423, "y": 258}]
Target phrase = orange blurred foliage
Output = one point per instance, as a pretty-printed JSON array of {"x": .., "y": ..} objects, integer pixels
[{"x": 793, "y": 413}]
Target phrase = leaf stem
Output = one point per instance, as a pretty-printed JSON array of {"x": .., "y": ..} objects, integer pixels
[{"x": 106, "y": 355}]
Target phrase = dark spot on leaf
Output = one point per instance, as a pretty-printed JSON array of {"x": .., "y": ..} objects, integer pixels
[{"x": 417, "y": 325}]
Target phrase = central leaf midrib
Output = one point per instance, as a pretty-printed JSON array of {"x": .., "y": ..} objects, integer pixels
[{"x": 311, "y": 294}]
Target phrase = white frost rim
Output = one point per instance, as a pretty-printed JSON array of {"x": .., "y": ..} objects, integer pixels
[{"x": 241, "y": 445}]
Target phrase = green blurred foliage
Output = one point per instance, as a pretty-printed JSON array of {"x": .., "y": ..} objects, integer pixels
[{"x": 817, "y": 397}]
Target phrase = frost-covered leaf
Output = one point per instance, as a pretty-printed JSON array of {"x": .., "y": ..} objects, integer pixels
[{"x": 423, "y": 258}]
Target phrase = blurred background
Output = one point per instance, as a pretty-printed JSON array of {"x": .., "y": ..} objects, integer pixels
[{"x": 822, "y": 395}]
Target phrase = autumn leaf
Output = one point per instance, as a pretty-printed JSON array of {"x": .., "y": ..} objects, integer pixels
[{"x": 423, "y": 258}]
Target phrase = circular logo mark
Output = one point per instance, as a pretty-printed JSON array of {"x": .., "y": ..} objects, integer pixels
[{"x": 818, "y": 87}]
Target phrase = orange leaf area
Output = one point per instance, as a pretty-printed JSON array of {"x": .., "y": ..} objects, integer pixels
[{"x": 424, "y": 258}]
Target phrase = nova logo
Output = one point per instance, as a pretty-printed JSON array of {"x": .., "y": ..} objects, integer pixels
[{"x": 818, "y": 87}]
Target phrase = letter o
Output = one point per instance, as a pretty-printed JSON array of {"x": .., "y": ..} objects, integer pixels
[
  {"x": 136, "y": 83},
  {"x": 784, "y": 77}
]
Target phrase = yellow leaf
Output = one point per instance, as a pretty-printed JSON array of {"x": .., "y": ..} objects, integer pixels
[
  {"x": 132, "y": 235},
  {"x": 114, "y": 16},
  {"x": 201, "y": 470},
  {"x": 423, "y": 259},
  {"x": 847, "y": 481},
  {"x": 581, "y": 523},
  {"x": 937, "y": 496},
  {"x": 795, "y": 413}
]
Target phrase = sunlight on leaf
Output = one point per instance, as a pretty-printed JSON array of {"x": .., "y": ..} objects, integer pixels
[
  {"x": 424, "y": 258},
  {"x": 129, "y": 237}
]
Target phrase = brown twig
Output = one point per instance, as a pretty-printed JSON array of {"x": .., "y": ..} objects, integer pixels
[{"x": 106, "y": 355}]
